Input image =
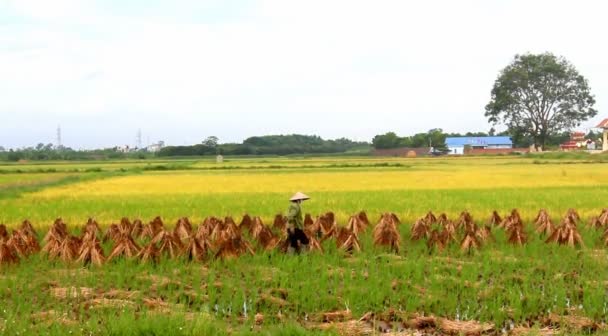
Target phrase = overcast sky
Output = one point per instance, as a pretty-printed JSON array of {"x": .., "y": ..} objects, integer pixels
[{"x": 184, "y": 70}]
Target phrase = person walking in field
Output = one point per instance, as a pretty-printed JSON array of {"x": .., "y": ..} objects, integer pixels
[{"x": 295, "y": 221}]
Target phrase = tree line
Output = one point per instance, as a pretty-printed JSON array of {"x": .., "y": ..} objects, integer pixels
[
  {"x": 270, "y": 145},
  {"x": 50, "y": 152}
]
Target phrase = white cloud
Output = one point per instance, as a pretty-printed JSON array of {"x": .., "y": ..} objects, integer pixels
[{"x": 334, "y": 68}]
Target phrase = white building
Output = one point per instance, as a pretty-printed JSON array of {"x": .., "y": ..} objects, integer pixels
[
  {"x": 156, "y": 147},
  {"x": 456, "y": 145}
]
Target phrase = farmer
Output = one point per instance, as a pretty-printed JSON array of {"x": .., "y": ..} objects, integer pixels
[{"x": 295, "y": 235}]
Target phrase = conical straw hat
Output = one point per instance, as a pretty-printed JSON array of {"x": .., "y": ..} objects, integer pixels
[{"x": 299, "y": 196}]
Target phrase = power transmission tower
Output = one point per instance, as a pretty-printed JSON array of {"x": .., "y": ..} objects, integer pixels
[{"x": 58, "y": 136}]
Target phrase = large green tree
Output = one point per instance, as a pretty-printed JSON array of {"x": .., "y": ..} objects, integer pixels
[{"x": 540, "y": 95}]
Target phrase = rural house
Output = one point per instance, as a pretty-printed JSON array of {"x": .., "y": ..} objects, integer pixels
[
  {"x": 604, "y": 126},
  {"x": 456, "y": 145}
]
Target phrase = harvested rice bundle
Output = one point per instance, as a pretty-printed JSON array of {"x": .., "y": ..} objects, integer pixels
[
  {"x": 327, "y": 224},
  {"x": 183, "y": 228},
  {"x": 267, "y": 239},
  {"x": 280, "y": 222},
  {"x": 430, "y": 218},
  {"x": 567, "y": 233},
  {"x": 126, "y": 247},
  {"x": 7, "y": 256},
  {"x": 386, "y": 233},
  {"x": 256, "y": 227},
  {"x": 246, "y": 223},
  {"x": 421, "y": 229},
  {"x": 544, "y": 224},
  {"x": 233, "y": 248},
  {"x": 168, "y": 244},
  {"x": 358, "y": 223},
  {"x": 149, "y": 253},
  {"x": 26, "y": 225},
  {"x": 193, "y": 249},
  {"x": 495, "y": 219},
  {"x": 91, "y": 252},
  {"x": 347, "y": 240},
  {"x": 436, "y": 241}
]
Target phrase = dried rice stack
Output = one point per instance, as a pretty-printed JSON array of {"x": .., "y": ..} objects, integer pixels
[
  {"x": 470, "y": 241},
  {"x": 26, "y": 225},
  {"x": 421, "y": 229},
  {"x": 465, "y": 218},
  {"x": 386, "y": 233},
  {"x": 149, "y": 253},
  {"x": 194, "y": 250},
  {"x": 3, "y": 233},
  {"x": 430, "y": 218},
  {"x": 472, "y": 237},
  {"x": 347, "y": 240},
  {"x": 90, "y": 251},
  {"x": 567, "y": 233},
  {"x": 358, "y": 223},
  {"x": 137, "y": 229},
  {"x": 256, "y": 227},
  {"x": 205, "y": 230},
  {"x": 233, "y": 248},
  {"x": 26, "y": 237},
  {"x": 544, "y": 224},
  {"x": 168, "y": 243},
  {"x": 68, "y": 250},
  {"x": 7, "y": 256},
  {"x": 605, "y": 237},
  {"x": 23, "y": 242},
  {"x": 267, "y": 239},
  {"x": 91, "y": 226},
  {"x": 280, "y": 222},
  {"x": 246, "y": 223},
  {"x": 442, "y": 219},
  {"x": 183, "y": 228},
  {"x": 312, "y": 233},
  {"x": 57, "y": 232},
  {"x": 112, "y": 233},
  {"x": 327, "y": 224},
  {"x": 600, "y": 221},
  {"x": 513, "y": 219},
  {"x": 153, "y": 228},
  {"x": 59, "y": 244},
  {"x": 436, "y": 241},
  {"x": 495, "y": 219},
  {"x": 448, "y": 232},
  {"x": 517, "y": 235},
  {"x": 311, "y": 228},
  {"x": 125, "y": 247},
  {"x": 231, "y": 230}
]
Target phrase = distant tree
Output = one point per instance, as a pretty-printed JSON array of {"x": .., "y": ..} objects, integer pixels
[
  {"x": 540, "y": 95},
  {"x": 14, "y": 155},
  {"x": 2, "y": 149},
  {"x": 387, "y": 141},
  {"x": 211, "y": 141},
  {"x": 492, "y": 132}
]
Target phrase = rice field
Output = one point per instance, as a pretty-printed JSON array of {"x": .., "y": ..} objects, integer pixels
[{"x": 500, "y": 288}]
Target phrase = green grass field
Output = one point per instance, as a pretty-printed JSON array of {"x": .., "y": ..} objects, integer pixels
[{"x": 499, "y": 284}]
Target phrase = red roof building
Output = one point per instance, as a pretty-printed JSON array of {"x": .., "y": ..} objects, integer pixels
[
  {"x": 603, "y": 124},
  {"x": 577, "y": 141}
]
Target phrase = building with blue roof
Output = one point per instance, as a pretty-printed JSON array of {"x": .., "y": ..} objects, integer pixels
[{"x": 456, "y": 145}]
